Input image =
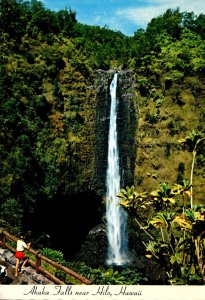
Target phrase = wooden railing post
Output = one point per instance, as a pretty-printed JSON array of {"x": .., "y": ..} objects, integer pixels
[
  {"x": 38, "y": 262},
  {"x": 3, "y": 240}
]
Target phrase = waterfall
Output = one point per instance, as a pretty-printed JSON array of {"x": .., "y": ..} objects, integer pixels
[{"x": 116, "y": 216}]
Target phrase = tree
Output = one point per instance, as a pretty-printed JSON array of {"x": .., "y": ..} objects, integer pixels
[
  {"x": 66, "y": 20},
  {"x": 192, "y": 141},
  {"x": 44, "y": 19},
  {"x": 200, "y": 25},
  {"x": 10, "y": 18},
  {"x": 188, "y": 20},
  {"x": 174, "y": 235},
  {"x": 169, "y": 23}
]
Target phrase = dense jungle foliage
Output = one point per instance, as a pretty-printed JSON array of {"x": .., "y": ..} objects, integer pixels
[{"x": 48, "y": 116}]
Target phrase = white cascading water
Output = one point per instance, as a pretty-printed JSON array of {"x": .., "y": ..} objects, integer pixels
[{"x": 116, "y": 216}]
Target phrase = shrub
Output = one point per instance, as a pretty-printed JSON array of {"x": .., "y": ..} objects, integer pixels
[
  {"x": 174, "y": 230},
  {"x": 54, "y": 255},
  {"x": 12, "y": 212}
]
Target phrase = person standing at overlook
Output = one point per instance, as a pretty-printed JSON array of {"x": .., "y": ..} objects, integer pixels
[{"x": 20, "y": 255}]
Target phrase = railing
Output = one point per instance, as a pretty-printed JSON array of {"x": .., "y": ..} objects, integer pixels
[{"x": 37, "y": 264}]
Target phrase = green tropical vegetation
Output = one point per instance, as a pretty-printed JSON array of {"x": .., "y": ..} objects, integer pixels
[
  {"x": 101, "y": 275},
  {"x": 48, "y": 130},
  {"x": 174, "y": 231}
]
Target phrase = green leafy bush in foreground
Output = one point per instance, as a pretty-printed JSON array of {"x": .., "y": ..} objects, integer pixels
[
  {"x": 100, "y": 275},
  {"x": 108, "y": 275},
  {"x": 175, "y": 233}
]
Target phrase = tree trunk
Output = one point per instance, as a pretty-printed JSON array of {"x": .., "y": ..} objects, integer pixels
[{"x": 191, "y": 178}]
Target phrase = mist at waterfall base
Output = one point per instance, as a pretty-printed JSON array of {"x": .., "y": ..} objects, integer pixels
[{"x": 115, "y": 215}]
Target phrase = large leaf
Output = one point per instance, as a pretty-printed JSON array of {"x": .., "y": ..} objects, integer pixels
[
  {"x": 152, "y": 247},
  {"x": 176, "y": 257},
  {"x": 171, "y": 200},
  {"x": 125, "y": 203},
  {"x": 159, "y": 221},
  {"x": 155, "y": 193},
  {"x": 182, "y": 189},
  {"x": 182, "y": 223},
  {"x": 191, "y": 215}
]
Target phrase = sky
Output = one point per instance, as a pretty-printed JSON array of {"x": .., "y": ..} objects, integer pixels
[{"x": 126, "y": 16}]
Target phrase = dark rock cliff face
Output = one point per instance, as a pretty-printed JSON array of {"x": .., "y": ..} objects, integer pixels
[
  {"x": 126, "y": 125},
  {"x": 94, "y": 250},
  {"x": 103, "y": 80}
]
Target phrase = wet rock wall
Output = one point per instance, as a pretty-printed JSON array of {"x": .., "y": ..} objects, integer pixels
[{"x": 126, "y": 125}]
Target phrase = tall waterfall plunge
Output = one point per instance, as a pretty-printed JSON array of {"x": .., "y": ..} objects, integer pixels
[{"x": 116, "y": 216}]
